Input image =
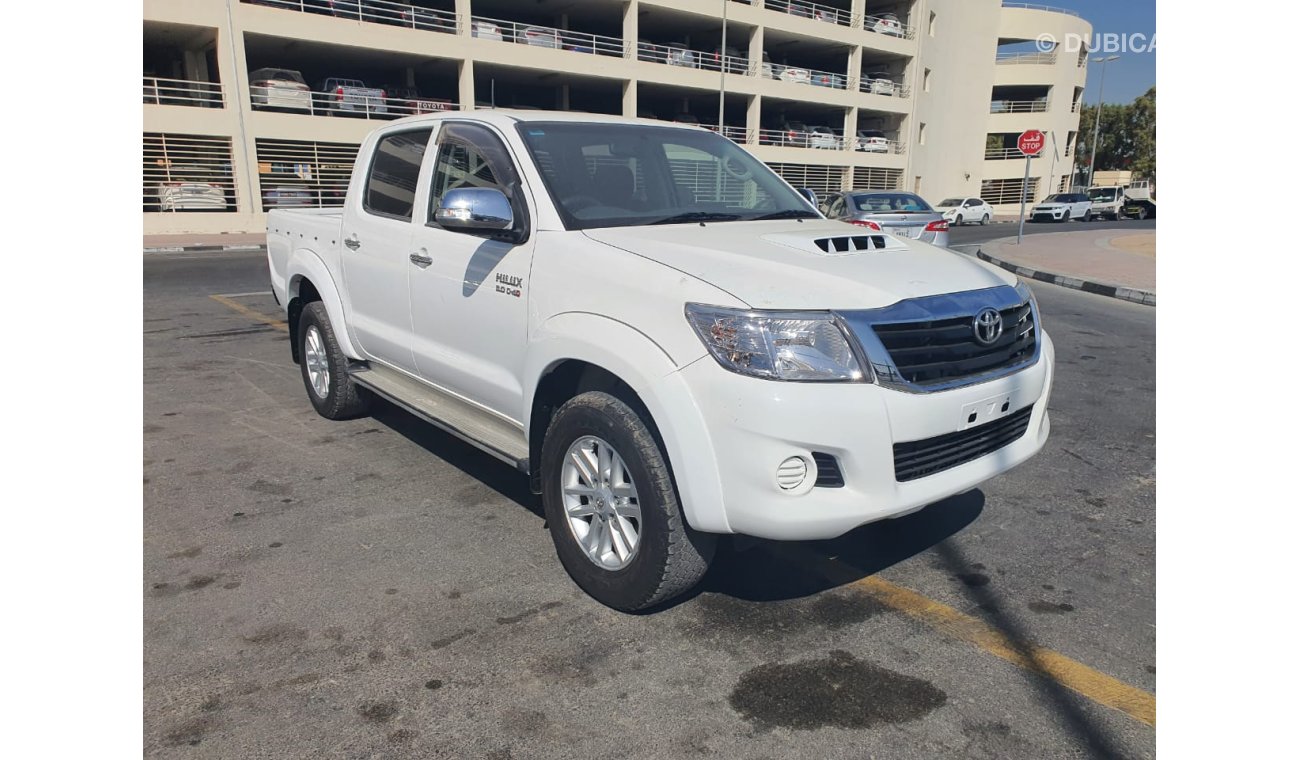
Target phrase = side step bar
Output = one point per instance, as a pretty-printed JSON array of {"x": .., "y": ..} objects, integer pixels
[{"x": 460, "y": 418}]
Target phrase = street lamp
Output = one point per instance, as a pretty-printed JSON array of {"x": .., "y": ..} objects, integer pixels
[{"x": 1092, "y": 163}]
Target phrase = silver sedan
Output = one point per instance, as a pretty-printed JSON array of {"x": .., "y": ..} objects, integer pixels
[{"x": 900, "y": 214}]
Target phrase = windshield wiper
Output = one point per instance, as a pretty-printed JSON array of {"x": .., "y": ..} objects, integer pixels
[
  {"x": 790, "y": 213},
  {"x": 697, "y": 216}
]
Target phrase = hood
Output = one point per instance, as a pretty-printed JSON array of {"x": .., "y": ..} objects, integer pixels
[
  {"x": 1050, "y": 205},
  {"x": 778, "y": 264}
]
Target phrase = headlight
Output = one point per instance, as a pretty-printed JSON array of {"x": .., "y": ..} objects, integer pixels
[{"x": 776, "y": 345}]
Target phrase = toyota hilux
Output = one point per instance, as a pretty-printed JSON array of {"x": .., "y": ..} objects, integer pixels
[{"x": 667, "y": 339}]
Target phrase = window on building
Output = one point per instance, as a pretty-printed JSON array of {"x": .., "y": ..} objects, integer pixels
[
  {"x": 933, "y": 18},
  {"x": 920, "y": 134},
  {"x": 916, "y": 186},
  {"x": 925, "y": 81},
  {"x": 394, "y": 174},
  {"x": 1007, "y": 191}
]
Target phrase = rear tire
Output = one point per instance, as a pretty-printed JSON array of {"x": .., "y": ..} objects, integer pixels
[
  {"x": 325, "y": 368},
  {"x": 984, "y": 220},
  {"x": 1087, "y": 216},
  {"x": 589, "y": 497}
]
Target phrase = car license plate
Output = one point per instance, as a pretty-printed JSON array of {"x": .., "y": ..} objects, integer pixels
[{"x": 907, "y": 232}]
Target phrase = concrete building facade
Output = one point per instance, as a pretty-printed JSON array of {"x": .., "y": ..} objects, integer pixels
[{"x": 918, "y": 95}]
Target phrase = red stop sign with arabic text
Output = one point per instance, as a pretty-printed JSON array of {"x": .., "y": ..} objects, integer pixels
[{"x": 1031, "y": 142}]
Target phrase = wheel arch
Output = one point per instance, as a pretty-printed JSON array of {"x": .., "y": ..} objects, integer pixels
[
  {"x": 309, "y": 280},
  {"x": 574, "y": 353}
]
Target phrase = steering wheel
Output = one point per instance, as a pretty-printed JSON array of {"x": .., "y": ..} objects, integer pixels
[
  {"x": 728, "y": 165},
  {"x": 582, "y": 201}
]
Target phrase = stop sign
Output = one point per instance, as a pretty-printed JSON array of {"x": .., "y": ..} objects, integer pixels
[{"x": 1031, "y": 142}]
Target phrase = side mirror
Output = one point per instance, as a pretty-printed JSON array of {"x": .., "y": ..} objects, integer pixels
[
  {"x": 475, "y": 209},
  {"x": 809, "y": 195}
]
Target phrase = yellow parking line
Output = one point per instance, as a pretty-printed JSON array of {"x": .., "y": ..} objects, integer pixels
[
  {"x": 278, "y": 324},
  {"x": 1093, "y": 684}
]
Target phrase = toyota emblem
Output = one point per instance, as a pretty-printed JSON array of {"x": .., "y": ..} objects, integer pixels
[{"x": 988, "y": 327}]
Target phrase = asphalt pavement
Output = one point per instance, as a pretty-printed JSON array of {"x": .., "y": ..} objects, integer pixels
[{"x": 375, "y": 588}]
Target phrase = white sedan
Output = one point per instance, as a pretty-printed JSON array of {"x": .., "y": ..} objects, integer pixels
[{"x": 965, "y": 210}]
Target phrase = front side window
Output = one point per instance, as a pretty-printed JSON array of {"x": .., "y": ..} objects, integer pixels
[
  {"x": 472, "y": 155},
  {"x": 394, "y": 174},
  {"x": 614, "y": 175}
]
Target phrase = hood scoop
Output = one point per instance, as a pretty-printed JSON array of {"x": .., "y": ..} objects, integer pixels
[{"x": 837, "y": 245}]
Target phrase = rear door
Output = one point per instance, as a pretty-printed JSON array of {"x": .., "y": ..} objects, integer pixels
[
  {"x": 376, "y": 246},
  {"x": 469, "y": 293}
]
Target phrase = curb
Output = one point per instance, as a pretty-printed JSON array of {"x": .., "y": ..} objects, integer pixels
[
  {"x": 1135, "y": 295},
  {"x": 206, "y": 249}
]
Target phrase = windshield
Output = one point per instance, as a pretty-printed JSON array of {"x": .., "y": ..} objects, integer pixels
[
  {"x": 1102, "y": 194},
  {"x": 949, "y": 202},
  {"x": 891, "y": 203},
  {"x": 1059, "y": 198},
  {"x": 617, "y": 175}
]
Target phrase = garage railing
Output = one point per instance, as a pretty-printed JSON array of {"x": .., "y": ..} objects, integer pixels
[
  {"x": 183, "y": 92},
  {"x": 815, "y": 11},
  {"x": 735, "y": 134},
  {"x": 391, "y": 106},
  {"x": 374, "y": 11},
  {"x": 1032, "y": 59},
  {"x": 1003, "y": 154},
  {"x": 1018, "y": 106},
  {"x": 545, "y": 36},
  {"x": 1037, "y": 7}
]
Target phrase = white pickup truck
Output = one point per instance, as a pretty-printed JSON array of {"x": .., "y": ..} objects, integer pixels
[{"x": 667, "y": 338}]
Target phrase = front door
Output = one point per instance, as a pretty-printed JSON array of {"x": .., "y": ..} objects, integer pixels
[
  {"x": 375, "y": 246},
  {"x": 469, "y": 293}
]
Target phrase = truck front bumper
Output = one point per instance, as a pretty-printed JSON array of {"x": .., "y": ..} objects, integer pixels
[{"x": 755, "y": 426}]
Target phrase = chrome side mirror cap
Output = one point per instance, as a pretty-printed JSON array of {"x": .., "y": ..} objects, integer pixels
[{"x": 475, "y": 209}]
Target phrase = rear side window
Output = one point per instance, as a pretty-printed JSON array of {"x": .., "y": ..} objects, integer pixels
[{"x": 394, "y": 174}]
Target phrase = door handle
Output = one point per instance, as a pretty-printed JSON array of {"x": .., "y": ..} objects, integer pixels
[
  {"x": 352, "y": 242},
  {"x": 420, "y": 259}
]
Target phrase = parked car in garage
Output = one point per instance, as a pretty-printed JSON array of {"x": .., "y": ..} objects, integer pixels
[
  {"x": 960, "y": 211},
  {"x": 823, "y": 138},
  {"x": 408, "y": 100},
  {"x": 677, "y": 54},
  {"x": 902, "y": 214},
  {"x": 794, "y": 74},
  {"x": 538, "y": 36},
  {"x": 288, "y": 196},
  {"x": 872, "y": 141},
  {"x": 885, "y": 23},
  {"x": 826, "y": 79},
  {"x": 350, "y": 96},
  {"x": 795, "y": 134},
  {"x": 191, "y": 187},
  {"x": 486, "y": 30},
  {"x": 736, "y": 62},
  {"x": 1062, "y": 207},
  {"x": 284, "y": 89},
  {"x": 879, "y": 83},
  {"x": 767, "y": 69}
]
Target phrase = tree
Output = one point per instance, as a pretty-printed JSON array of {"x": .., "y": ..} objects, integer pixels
[{"x": 1127, "y": 139}]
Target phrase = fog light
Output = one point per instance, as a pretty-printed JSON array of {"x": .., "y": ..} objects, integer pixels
[{"x": 792, "y": 473}]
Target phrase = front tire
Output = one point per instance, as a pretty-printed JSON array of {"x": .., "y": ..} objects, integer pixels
[
  {"x": 958, "y": 220},
  {"x": 612, "y": 507},
  {"x": 325, "y": 368}
]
